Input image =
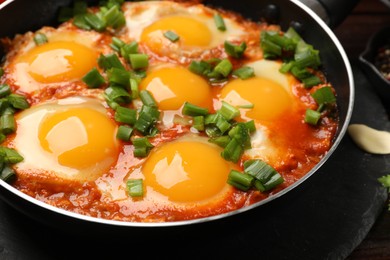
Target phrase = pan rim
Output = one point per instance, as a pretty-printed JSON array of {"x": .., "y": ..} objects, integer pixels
[{"x": 341, "y": 133}]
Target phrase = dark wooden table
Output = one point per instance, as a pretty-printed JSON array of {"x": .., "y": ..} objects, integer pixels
[{"x": 354, "y": 32}]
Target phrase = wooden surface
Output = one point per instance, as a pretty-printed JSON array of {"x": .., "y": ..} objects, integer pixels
[{"x": 367, "y": 17}]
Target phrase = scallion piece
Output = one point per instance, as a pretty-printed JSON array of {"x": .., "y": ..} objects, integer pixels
[
  {"x": 11, "y": 156},
  {"x": 139, "y": 60},
  {"x": 219, "y": 22},
  {"x": 5, "y": 90},
  {"x": 124, "y": 133},
  {"x": 312, "y": 117},
  {"x": 259, "y": 169},
  {"x": 221, "y": 141},
  {"x": 172, "y": 36},
  {"x": 194, "y": 110},
  {"x": 244, "y": 72},
  {"x": 117, "y": 94},
  {"x": 240, "y": 180},
  {"x": 109, "y": 61},
  {"x": 224, "y": 67},
  {"x": 93, "y": 78},
  {"x": 198, "y": 123},
  {"x": 324, "y": 95},
  {"x": 7, "y": 124},
  {"x": 311, "y": 81},
  {"x": 116, "y": 44},
  {"x": 18, "y": 101},
  {"x": 40, "y": 38},
  {"x": 147, "y": 119},
  {"x": 95, "y": 22},
  {"x": 235, "y": 51},
  {"x": 135, "y": 187},
  {"x": 125, "y": 115},
  {"x": 200, "y": 67},
  {"x": 134, "y": 88},
  {"x": 113, "y": 17},
  {"x": 147, "y": 98},
  {"x": 7, "y": 174},
  {"x": 142, "y": 146},
  {"x": 119, "y": 77},
  {"x": 228, "y": 111},
  {"x": 129, "y": 48}
]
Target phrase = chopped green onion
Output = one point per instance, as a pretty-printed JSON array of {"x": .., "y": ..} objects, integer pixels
[
  {"x": 147, "y": 119},
  {"x": 5, "y": 90},
  {"x": 135, "y": 187},
  {"x": 109, "y": 61},
  {"x": 129, "y": 48},
  {"x": 114, "y": 18},
  {"x": 7, "y": 174},
  {"x": 198, "y": 123},
  {"x": 224, "y": 67},
  {"x": 240, "y": 180},
  {"x": 311, "y": 81},
  {"x": 142, "y": 146},
  {"x": 125, "y": 115},
  {"x": 194, "y": 110},
  {"x": 95, "y": 22},
  {"x": 124, "y": 133},
  {"x": 93, "y": 78},
  {"x": 7, "y": 124},
  {"x": 80, "y": 21},
  {"x": 117, "y": 44},
  {"x": 247, "y": 106},
  {"x": 139, "y": 60},
  {"x": 228, "y": 111},
  {"x": 221, "y": 141},
  {"x": 172, "y": 36},
  {"x": 259, "y": 169},
  {"x": 219, "y": 22},
  {"x": 10, "y": 155},
  {"x": 312, "y": 117},
  {"x": 324, "y": 95},
  {"x": 117, "y": 94},
  {"x": 236, "y": 51},
  {"x": 244, "y": 72},
  {"x": 134, "y": 88},
  {"x": 40, "y": 38},
  {"x": 18, "y": 101},
  {"x": 1, "y": 72},
  {"x": 147, "y": 98},
  {"x": 119, "y": 76},
  {"x": 200, "y": 67}
]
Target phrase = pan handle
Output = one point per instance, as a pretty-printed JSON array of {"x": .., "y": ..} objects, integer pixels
[{"x": 333, "y": 12}]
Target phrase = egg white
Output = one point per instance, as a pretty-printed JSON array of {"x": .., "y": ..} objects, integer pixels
[
  {"x": 139, "y": 15},
  {"x": 39, "y": 161}
]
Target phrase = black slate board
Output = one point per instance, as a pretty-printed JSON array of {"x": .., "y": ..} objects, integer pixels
[{"x": 324, "y": 218}]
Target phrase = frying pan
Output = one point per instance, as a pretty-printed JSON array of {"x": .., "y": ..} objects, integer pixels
[{"x": 18, "y": 16}]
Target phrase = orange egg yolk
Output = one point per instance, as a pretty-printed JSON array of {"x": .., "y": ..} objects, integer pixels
[
  {"x": 172, "y": 86},
  {"x": 59, "y": 61},
  {"x": 268, "y": 98},
  {"x": 192, "y": 32},
  {"x": 79, "y": 137},
  {"x": 186, "y": 171}
]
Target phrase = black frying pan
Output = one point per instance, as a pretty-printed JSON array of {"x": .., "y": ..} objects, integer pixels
[{"x": 19, "y": 16}]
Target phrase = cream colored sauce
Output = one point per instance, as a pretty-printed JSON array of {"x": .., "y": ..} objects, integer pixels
[{"x": 369, "y": 139}]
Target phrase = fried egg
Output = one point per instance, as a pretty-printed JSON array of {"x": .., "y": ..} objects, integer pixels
[
  {"x": 187, "y": 170},
  {"x": 66, "y": 57},
  {"x": 266, "y": 96},
  {"x": 194, "y": 24},
  {"x": 71, "y": 138}
]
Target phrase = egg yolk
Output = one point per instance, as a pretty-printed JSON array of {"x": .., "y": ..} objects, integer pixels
[
  {"x": 192, "y": 32},
  {"x": 172, "y": 86},
  {"x": 268, "y": 98},
  {"x": 186, "y": 171},
  {"x": 59, "y": 61},
  {"x": 78, "y": 137}
]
